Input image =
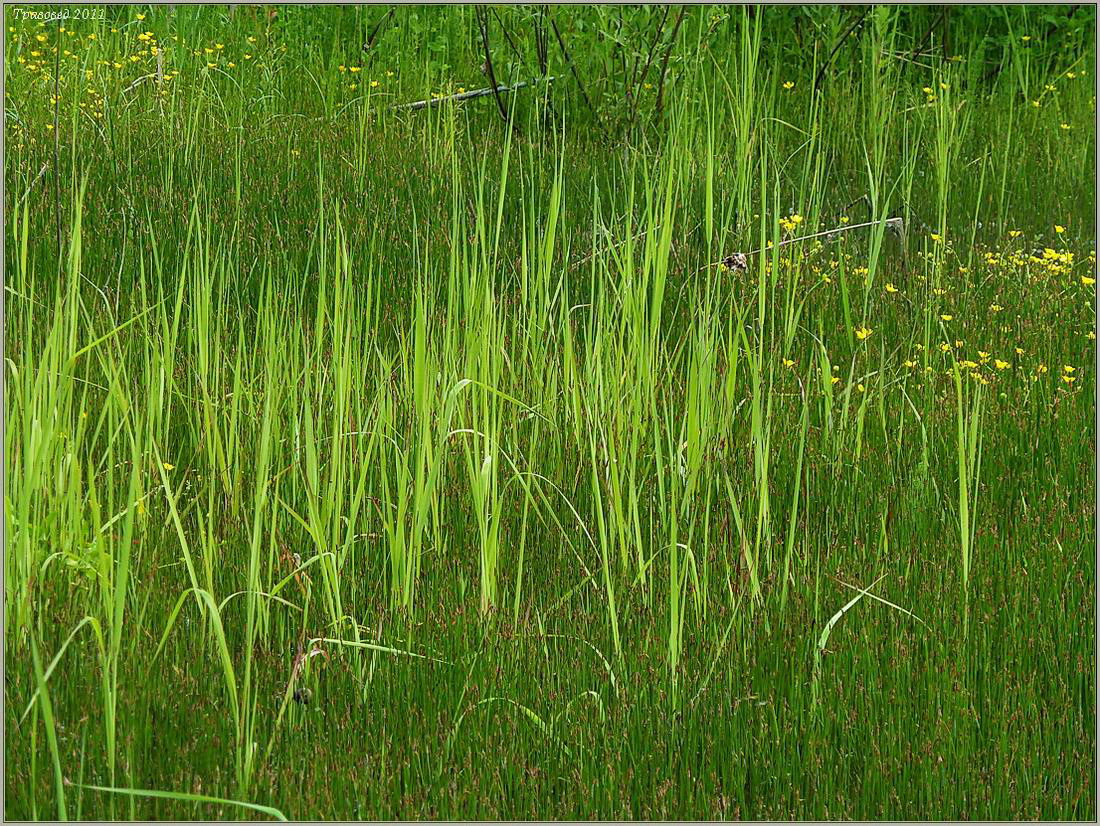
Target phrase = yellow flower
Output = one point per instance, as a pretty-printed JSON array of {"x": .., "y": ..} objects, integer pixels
[
  {"x": 342, "y": 68},
  {"x": 1059, "y": 229},
  {"x": 168, "y": 466},
  {"x": 140, "y": 16},
  {"x": 890, "y": 288},
  {"x": 835, "y": 379},
  {"x": 935, "y": 236},
  {"x": 788, "y": 85},
  {"x": 389, "y": 73},
  {"x": 996, "y": 308},
  {"x": 355, "y": 68},
  {"x": 910, "y": 363},
  {"x": 1066, "y": 126},
  {"x": 1014, "y": 233},
  {"x": 1088, "y": 282},
  {"x": 374, "y": 84},
  {"x": 863, "y": 333},
  {"x": 946, "y": 316},
  {"x": 968, "y": 364},
  {"x": 945, "y": 347},
  {"x": 1069, "y": 379},
  {"x": 251, "y": 39},
  {"x": 860, "y": 388},
  {"x": 1069, "y": 369},
  {"x": 41, "y": 38},
  {"x": 1001, "y": 365},
  {"x": 1041, "y": 369},
  {"x": 844, "y": 219},
  {"x": 788, "y": 363}
]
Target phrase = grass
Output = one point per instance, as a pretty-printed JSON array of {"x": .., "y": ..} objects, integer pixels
[{"x": 375, "y": 463}]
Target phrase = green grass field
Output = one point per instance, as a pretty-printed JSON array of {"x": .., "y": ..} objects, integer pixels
[{"x": 706, "y": 432}]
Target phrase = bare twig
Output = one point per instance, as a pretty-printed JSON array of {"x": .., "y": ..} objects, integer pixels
[
  {"x": 894, "y": 224},
  {"x": 836, "y": 48},
  {"x": 664, "y": 60},
  {"x": 57, "y": 150},
  {"x": 919, "y": 51},
  {"x": 638, "y": 81},
  {"x": 476, "y": 93},
  {"x": 377, "y": 27},
  {"x": 573, "y": 68},
  {"x": 581, "y": 261},
  {"x": 483, "y": 25}
]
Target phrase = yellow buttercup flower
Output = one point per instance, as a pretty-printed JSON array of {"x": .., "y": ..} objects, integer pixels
[
  {"x": 788, "y": 363},
  {"x": 788, "y": 85},
  {"x": 1069, "y": 369},
  {"x": 890, "y": 288},
  {"x": 1059, "y": 228},
  {"x": 168, "y": 466},
  {"x": 1087, "y": 281},
  {"x": 1001, "y": 365},
  {"x": 863, "y": 333},
  {"x": 946, "y": 316}
]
